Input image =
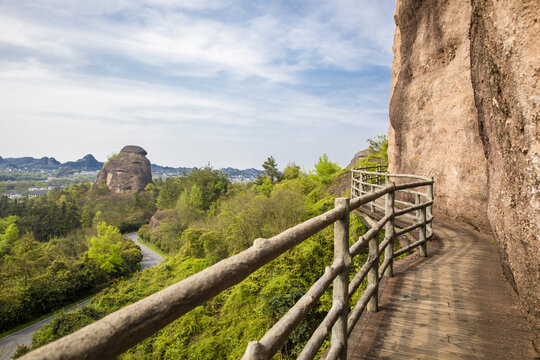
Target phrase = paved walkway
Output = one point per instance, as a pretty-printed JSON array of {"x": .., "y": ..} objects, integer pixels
[{"x": 454, "y": 304}]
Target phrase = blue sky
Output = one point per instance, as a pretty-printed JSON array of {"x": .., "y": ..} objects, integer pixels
[{"x": 195, "y": 81}]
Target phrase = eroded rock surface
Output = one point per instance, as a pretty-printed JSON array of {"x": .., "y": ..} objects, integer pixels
[
  {"x": 358, "y": 156},
  {"x": 129, "y": 171},
  {"x": 433, "y": 121},
  {"x": 505, "y": 68}
]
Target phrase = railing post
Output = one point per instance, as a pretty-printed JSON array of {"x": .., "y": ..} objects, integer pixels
[
  {"x": 421, "y": 218},
  {"x": 353, "y": 192},
  {"x": 373, "y": 274},
  {"x": 341, "y": 283},
  {"x": 372, "y": 203},
  {"x": 430, "y": 208},
  {"x": 389, "y": 229}
]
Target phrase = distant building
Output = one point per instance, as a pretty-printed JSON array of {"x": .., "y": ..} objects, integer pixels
[
  {"x": 13, "y": 196},
  {"x": 38, "y": 189},
  {"x": 36, "y": 193}
]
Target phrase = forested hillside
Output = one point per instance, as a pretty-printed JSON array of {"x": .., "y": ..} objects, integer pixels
[
  {"x": 58, "y": 248},
  {"x": 203, "y": 218}
]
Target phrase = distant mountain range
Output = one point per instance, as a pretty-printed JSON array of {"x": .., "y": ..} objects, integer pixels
[{"x": 89, "y": 163}]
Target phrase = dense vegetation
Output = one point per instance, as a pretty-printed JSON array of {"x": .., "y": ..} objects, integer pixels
[
  {"x": 203, "y": 218},
  {"x": 21, "y": 176},
  {"x": 378, "y": 149},
  {"x": 20, "y": 182},
  {"x": 58, "y": 248},
  {"x": 37, "y": 278}
]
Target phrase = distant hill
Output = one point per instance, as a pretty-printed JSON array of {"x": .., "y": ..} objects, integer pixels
[
  {"x": 28, "y": 163},
  {"x": 89, "y": 163}
]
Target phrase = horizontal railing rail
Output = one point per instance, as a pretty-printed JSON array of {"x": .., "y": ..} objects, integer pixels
[{"x": 117, "y": 332}]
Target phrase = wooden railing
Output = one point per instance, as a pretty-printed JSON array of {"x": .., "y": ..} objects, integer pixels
[
  {"x": 369, "y": 179},
  {"x": 117, "y": 332}
]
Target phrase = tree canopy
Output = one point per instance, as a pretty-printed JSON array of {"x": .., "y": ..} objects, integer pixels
[
  {"x": 271, "y": 170},
  {"x": 325, "y": 170},
  {"x": 378, "y": 147},
  {"x": 106, "y": 248}
]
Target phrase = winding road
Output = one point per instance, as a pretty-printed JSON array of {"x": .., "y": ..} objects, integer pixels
[
  {"x": 150, "y": 257},
  {"x": 8, "y": 344}
]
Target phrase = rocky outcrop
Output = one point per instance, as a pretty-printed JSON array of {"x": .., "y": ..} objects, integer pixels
[
  {"x": 464, "y": 109},
  {"x": 357, "y": 157},
  {"x": 129, "y": 171},
  {"x": 505, "y": 68},
  {"x": 433, "y": 121},
  {"x": 159, "y": 216}
]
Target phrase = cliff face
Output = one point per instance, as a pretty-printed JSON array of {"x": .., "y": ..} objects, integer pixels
[
  {"x": 433, "y": 121},
  {"x": 129, "y": 171},
  {"x": 464, "y": 109},
  {"x": 505, "y": 68}
]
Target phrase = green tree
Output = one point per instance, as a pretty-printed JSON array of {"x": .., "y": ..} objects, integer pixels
[
  {"x": 325, "y": 170},
  {"x": 151, "y": 189},
  {"x": 7, "y": 221},
  {"x": 266, "y": 187},
  {"x": 25, "y": 258},
  {"x": 211, "y": 183},
  {"x": 378, "y": 147},
  {"x": 11, "y": 234},
  {"x": 377, "y": 143},
  {"x": 270, "y": 169},
  {"x": 187, "y": 212},
  {"x": 106, "y": 248},
  {"x": 196, "y": 197},
  {"x": 168, "y": 194},
  {"x": 292, "y": 171}
]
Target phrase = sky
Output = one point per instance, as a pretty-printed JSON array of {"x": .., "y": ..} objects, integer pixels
[{"x": 193, "y": 82}]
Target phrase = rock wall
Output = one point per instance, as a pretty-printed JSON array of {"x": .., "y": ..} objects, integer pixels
[
  {"x": 505, "y": 68},
  {"x": 129, "y": 171},
  {"x": 464, "y": 109},
  {"x": 433, "y": 121}
]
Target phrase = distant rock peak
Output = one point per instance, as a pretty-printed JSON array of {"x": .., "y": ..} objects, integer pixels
[
  {"x": 133, "y": 149},
  {"x": 128, "y": 172}
]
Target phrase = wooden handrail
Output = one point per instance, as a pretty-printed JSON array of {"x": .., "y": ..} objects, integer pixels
[{"x": 117, "y": 332}]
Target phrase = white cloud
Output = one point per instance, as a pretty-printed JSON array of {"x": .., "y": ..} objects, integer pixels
[
  {"x": 341, "y": 34},
  {"x": 36, "y": 87},
  {"x": 200, "y": 68}
]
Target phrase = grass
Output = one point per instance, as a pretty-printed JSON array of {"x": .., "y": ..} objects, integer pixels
[
  {"x": 32, "y": 322},
  {"x": 155, "y": 249}
]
